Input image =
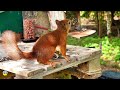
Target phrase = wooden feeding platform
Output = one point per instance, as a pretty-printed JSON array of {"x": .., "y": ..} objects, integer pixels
[
  {"x": 27, "y": 69},
  {"x": 82, "y": 33}
]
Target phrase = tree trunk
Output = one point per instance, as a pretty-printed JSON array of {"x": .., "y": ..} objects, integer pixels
[
  {"x": 78, "y": 24},
  {"x": 79, "y": 19},
  {"x": 112, "y": 16},
  {"x": 118, "y": 32},
  {"x": 99, "y": 24},
  {"x": 112, "y": 19},
  {"x": 109, "y": 24}
]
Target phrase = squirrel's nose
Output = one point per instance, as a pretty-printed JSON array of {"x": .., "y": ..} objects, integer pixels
[{"x": 69, "y": 22}]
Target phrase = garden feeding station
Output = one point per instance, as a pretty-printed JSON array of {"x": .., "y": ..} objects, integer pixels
[{"x": 35, "y": 24}]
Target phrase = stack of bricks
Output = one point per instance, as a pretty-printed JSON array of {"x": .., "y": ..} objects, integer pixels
[{"x": 29, "y": 29}]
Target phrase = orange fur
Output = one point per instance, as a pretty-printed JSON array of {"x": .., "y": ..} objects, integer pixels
[{"x": 44, "y": 47}]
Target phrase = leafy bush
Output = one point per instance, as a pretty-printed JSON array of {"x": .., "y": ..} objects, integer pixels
[
  {"x": 117, "y": 57},
  {"x": 110, "y": 47}
]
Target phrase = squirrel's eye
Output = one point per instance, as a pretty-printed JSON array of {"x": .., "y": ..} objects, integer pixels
[{"x": 69, "y": 23}]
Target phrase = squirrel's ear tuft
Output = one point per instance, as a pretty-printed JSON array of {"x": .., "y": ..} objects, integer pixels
[{"x": 57, "y": 21}]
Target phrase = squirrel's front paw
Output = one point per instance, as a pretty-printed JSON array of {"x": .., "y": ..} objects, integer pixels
[{"x": 67, "y": 58}]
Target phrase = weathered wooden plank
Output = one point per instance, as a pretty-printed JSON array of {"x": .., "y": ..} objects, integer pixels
[
  {"x": 67, "y": 65},
  {"x": 32, "y": 69},
  {"x": 23, "y": 77},
  {"x": 29, "y": 68},
  {"x": 23, "y": 67}
]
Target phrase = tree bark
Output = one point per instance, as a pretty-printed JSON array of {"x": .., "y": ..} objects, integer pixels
[
  {"x": 99, "y": 24},
  {"x": 112, "y": 16},
  {"x": 109, "y": 24},
  {"x": 79, "y": 20}
]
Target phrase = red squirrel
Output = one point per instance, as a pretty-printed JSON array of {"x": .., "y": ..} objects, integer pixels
[{"x": 44, "y": 48}]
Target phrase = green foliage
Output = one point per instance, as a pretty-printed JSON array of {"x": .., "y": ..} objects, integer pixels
[
  {"x": 117, "y": 58},
  {"x": 73, "y": 41},
  {"x": 85, "y": 14},
  {"x": 72, "y": 16},
  {"x": 88, "y": 14},
  {"x": 85, "y": 41},
  {"x": 102, "y": 62},
  {"x": 64, "y": 76},
  {"x": 110, "y": 48},
  {"x": 117, "y": 13}
]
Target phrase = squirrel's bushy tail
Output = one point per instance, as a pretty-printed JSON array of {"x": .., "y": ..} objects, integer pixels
[{"x": 9, "y": 42}]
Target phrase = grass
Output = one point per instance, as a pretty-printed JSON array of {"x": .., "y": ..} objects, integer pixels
[{"x": 110, "y": 47}]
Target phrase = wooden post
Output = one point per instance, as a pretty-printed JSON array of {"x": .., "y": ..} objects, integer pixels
[{"x": 91, "y": 69}]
